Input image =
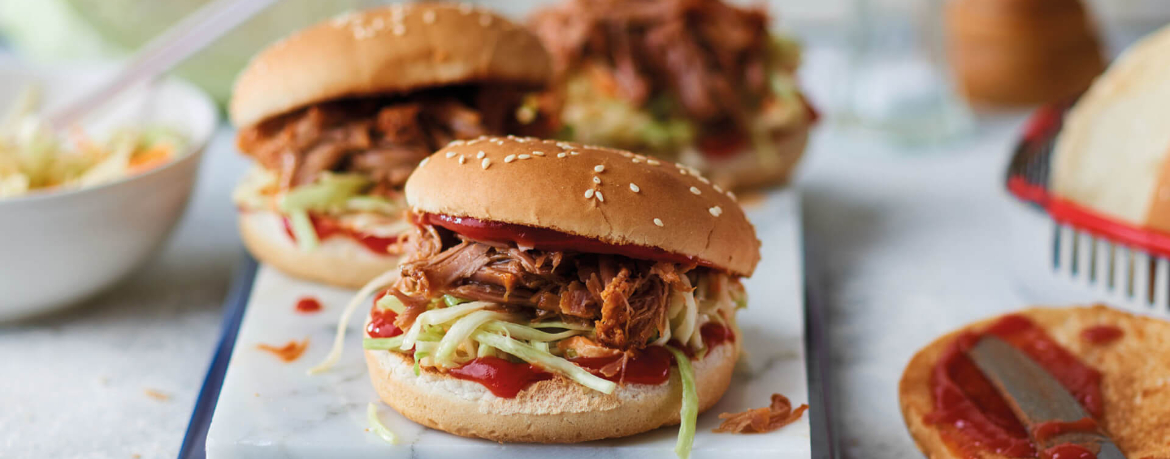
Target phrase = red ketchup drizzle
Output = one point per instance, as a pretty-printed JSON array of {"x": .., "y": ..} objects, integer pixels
[
  {"x": 1102, "y": 334},
  {"x": 382, "y": 321},
  {"x": 308, "y": 305},
  {"x": 328, "y": 227},
  {"x": 966, "y": 400},
  {"x": 1046, "y": 430},
  {"x": 1067, "y": 451},
  {"x": 546, "y": 239},
  {"x": 651, "y": 365},
  {"x": 503, "y": 378},
  {"x": 723, "y": 144}
]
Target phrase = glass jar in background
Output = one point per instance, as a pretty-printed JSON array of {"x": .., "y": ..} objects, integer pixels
[{"x": 898, "y": 85}]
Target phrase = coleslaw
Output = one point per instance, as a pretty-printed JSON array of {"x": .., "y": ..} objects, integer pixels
[{"x": 34, "y": 158}]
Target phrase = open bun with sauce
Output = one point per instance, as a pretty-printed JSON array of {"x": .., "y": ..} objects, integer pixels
[
  {"x": 1130, "y": 356},
  {"x": 337, "y": 116},
  {"x": 549, "y": 289},
  {"x": 705, "y": 83}
]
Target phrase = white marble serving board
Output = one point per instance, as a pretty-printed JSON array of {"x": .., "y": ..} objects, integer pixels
[{"x": 272, "y": 409}]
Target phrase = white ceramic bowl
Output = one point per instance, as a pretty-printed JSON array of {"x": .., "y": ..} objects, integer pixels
[{"x": 59, "y": 248}]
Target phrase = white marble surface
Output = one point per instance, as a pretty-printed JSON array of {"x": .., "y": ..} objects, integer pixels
[{"x": 272, "y": 409}]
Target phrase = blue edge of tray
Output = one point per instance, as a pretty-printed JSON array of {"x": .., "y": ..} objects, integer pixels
[{"x": 824, "y": 441}]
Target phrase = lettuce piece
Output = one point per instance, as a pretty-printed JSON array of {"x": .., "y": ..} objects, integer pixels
[
  {"x": 689, "y": 413},
  {"x": 461, "y": 331},
  {"x": 330, "y": 193},
  {"x": 303, "y": 230},
  {"x": 382, "y": 344},
  {"x": 485, "y": 351},
  {"x": 545, "y": 360},
  {"x": 439, "y": 316},
  {"x": 392, "y": 303},
  {"x": 559, "y": 324},
  {"x": 452, "y": 301},
  {"x": 528, "y": 333},
  {"x": 377, "y": 427}
]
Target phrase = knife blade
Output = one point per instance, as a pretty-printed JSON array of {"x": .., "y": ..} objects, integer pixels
[{"x": 1037, "y": 398}]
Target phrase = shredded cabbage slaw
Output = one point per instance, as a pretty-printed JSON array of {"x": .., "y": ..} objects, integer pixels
[
  {"x": 34, "y": 158},
  {"x": 454, "y": 331}
]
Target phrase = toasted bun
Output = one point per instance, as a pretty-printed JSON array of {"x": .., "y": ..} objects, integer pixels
[
  {"x": 554, "y": 187},
  {"x": 552, "y": 411},
  {"x": 394, "y": 49},
  {"x": 1135, "y": 369},
  {"x": 1022, "y": 52},
  {"x": 336, "y": 261},
  {"x": 1112, "y": 153}
]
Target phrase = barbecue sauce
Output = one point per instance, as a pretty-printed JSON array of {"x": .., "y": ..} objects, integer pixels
[
  {"x": 503, "y": 378},
  {"x": 651, "y": 365},
  {"x": 1046, "y": 430},
  {"x": 1102, "y": 334},
  {"x": 967, "y": 401},
  {"x": 382, "y": 321},
  {"x": 308, "y": 305},
  {"x": 1067, "y": 451},
  {"x": 327, "y": 227},
  {"x": 549, "y": 240}
]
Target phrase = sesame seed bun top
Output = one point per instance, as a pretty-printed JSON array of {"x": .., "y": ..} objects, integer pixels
[
  {"x": 394, "y": 49},
  {"x": 614, "y": 196}
]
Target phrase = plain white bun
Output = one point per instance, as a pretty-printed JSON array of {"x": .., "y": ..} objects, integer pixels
[
  {"x": 557, "y": 410},
  {"x": 338, "y": 261},
  {"x": 1112, "y": 153}
]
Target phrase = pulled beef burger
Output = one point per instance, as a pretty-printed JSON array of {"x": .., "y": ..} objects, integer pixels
[
  {"x": 697, "y": 81},
  {"x": 338, "y": 115},
  {"x": 556, "y": 292}
]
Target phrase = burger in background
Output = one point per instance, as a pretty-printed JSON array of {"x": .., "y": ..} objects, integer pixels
[
  {"x": 703, "y": 83},
  {"x": 338, "y": 115}
]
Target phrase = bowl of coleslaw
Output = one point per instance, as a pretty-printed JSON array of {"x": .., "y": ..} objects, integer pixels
[{"x": 80, "y": 209}]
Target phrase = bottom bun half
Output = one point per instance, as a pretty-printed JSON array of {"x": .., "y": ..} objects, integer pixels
[
  {"x": 557, "y": 410},
  {"x": 1135, "y": 369},
  {"x": 745, "y": 171},
  {"x": 338, "y": 261}
]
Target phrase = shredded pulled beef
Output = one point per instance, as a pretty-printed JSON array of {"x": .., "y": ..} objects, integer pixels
[
  {"x": 382, "y": 138},
  {"x": 624, "y": 298},
  {"x": 711, "y": 55}
]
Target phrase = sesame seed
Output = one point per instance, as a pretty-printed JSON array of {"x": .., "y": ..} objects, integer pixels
[
  {"x": 732, "y": 196},
  {"x": 633, "y": 187},
  {"x": 717, "y": 188},
  {"x": 636, "y": 161},
  {"x": 456, "y": 142},
  {"x": 597, "y": 180},
  {"x": 652, "y": 162},
  {"x": 715, "y": 211},
  {"x": 424, "y": 161},
  {"x": 599, "y": 168},
  {"x": 524, "y": 156},
  {"x": 485, "y": 20},
  {"x": 682, "y": 171},
  {"x": 480, "y": 155},
  {"x": 627, "y": 154},
  {"x": 486, "y": 162},
  {"x": 589, "y": 193},
  {"x": 538, "y": 153},
  {"x": 429, "y": 17},
  {"x": 462, "y": 159},
  {"x": 509, "y": 158},
  {"x": 696, "y": 190},
  {"x": 574, "y": 153},
  {"x": 600, "y": 197},
  {"x": 561, "y": 155},
  {"x": 450, "y": 154},
  {"x": 704, "y": 180},
  {"x": 399, "y": 30},
  {"x": 658, "y": 222}
]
